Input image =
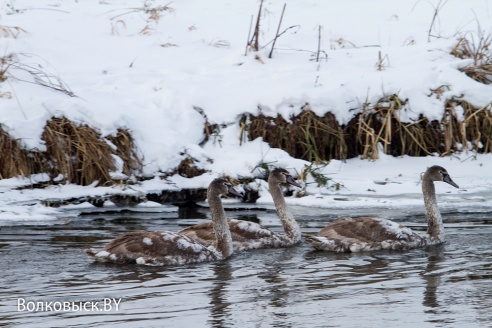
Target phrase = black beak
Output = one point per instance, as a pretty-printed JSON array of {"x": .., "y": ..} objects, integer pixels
[
  {"x": 290, "y": 180},
  {"x": 233, "y": 191},
  {"x": 447, "y": 179}
]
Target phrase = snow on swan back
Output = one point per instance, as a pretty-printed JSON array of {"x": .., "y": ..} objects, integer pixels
[
  {"x": 170, "y": 248},
  {"x": 366, "y": 234},
  {"x": 249, "y": 235}
]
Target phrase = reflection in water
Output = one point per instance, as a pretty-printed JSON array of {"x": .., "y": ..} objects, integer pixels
[
  {"x": 220, "y": 314},
  {"x": 278, "y": 290},
  {"x": 435, "y": 256}
]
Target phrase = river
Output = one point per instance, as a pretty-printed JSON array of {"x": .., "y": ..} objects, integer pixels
[{"x": 449, "y": 285}]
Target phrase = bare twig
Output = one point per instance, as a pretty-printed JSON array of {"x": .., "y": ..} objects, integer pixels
[
  {"x": 249, "y": 33},
  {"x": 278, "y": 30},
  {"x": 319, "y": 43},
  {"x": 439, "y": 6},
  {"x": 256, "y": 35},
  {"x": 282, "y": 33},
  {"x": 43, "y": 78}
]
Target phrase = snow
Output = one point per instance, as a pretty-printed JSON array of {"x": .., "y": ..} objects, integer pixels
[{"x": 149, "y": 76}]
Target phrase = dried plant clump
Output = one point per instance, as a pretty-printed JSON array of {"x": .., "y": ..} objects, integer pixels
[
  {"x": 74, "y": 153},
  {"x": 153, "y": 15},
  {"x": 377, "y": 128},
  {"x": 153, "y": 12},
  {"x": 127, "y": 151},
  {"x": 77, "y": 152},
  {"x": 188, "y": 169},
  {"x": 209, "y": 129},
  {"x": 475, "y": 128},
  {"x": 381, "y": 124},
  {"x": 305, "y": 136},
  {"x": 15, "y": 160},
  {"x": 479, "y": 49}
]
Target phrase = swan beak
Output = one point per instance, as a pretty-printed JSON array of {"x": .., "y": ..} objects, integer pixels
[
  {"x": 290, "y": 180},
  {"x": 234, "y": 192},
  {"x": 447, "y": 179}
]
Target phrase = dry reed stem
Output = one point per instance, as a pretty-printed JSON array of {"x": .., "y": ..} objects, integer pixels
[
  {"x": 319, "y": 139},
  {"x": 478, "y": 47},
  {"x": 77, "y": 152},
  {"x": 126, "y": 149},
  {"x": 15, "y": 160}
]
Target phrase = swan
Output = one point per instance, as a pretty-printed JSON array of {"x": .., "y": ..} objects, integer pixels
[
  {"x": 170, "y": 248},
  {"x": 367, "y": 234},
  {"x": 250, "y": 235}
]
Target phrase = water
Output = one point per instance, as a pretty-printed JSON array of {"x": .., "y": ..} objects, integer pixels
[{"x": 442, "y": 286}]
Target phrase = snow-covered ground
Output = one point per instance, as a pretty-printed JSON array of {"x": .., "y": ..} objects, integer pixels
[{"x": 149, "y": 72}]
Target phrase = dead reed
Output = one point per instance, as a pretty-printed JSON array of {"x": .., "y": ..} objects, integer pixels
[
  {"x": 187, "y": 168},
  {"x": 126, "y": 149},
  {"x": 478, "y": 47},
  {"x": 15, "y": 160},
  {"x": 376, "y": 128},
  {"x": 77, "y": 152}
]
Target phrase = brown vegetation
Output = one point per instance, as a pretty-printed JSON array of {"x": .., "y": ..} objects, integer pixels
[
  {"x": 479, "y": 49},
  {"x": 318, "y": 139},
  {"x": 15, "y": 161},
  {"x": 74, "y": 153}
]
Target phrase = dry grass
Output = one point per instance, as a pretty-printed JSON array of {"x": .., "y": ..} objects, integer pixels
[
  {"x": 306, "y": 136},
  {"x": 380, "y": 124},
  {"x": 74, "y": 153},
  {"x": 476, "y": 127},
  {"x": 377, "y": 128},
  {"x": 15, "y": 161},
  {"x": 187, "y": 168},
  {"x": 11, "y": 31},
  {"x": 77, "y": 152},
  {"x": 127, "y": 151},
  {"x": 36, "y": 75},
  {"x": 153, "y": 13},
  {"x": 478, "y": 47}
]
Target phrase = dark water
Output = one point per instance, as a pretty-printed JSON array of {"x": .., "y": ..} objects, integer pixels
[{"x": 443, "y": 286}]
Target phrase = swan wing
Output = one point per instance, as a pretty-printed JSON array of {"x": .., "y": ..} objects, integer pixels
[
  {"x": 154, "y": 248},
  {"x": 245, "y": 235},
  {"x": 364, "y": 234}
]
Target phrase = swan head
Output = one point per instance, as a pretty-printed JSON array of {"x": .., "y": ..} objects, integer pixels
[
  {"x": 223, "y": 187},
  {"x": 439, "y": 173},
  {"x": 282, "y": 176}
]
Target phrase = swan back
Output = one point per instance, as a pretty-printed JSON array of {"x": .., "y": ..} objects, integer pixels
[{"x": 154, "y": 248}]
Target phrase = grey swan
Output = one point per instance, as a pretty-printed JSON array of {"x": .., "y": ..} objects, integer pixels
[
  {"x": 169, "y": 248},
  {"x": 368, "y": 234},
  {"x": 250, "y": 235}
]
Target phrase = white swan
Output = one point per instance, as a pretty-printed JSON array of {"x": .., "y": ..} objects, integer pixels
[
  {"x": 249, "y": 235},
  {"x": 170, "y": 248},
  {"x": 367, "y": 234}
]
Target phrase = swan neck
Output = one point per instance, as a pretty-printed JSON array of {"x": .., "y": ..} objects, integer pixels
[
  {"x": 291, "y": 228},
  {"x": 220, "y": 224},
  {"x": 434, "y": 220}
]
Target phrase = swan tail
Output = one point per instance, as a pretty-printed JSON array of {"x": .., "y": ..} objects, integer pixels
[{"x": 320, "y": 243}]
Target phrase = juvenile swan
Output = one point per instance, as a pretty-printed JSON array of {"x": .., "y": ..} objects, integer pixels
[
  {"x": 249, "y": 235},
  {"x": 367, "y": 234},
  {"x": 170, "y": 248}
]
